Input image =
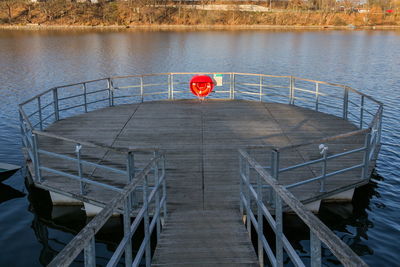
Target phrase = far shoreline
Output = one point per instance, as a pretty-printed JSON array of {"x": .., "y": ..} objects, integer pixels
[{"x": 34, "y": 27}]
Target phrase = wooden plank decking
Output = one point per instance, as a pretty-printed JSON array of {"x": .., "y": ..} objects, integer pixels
[{"x": 200, "y": 140}]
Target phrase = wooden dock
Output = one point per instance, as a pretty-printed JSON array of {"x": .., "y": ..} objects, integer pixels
[{"x": 200, "y": 140}]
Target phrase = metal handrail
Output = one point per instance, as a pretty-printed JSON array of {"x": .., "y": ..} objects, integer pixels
[
  {"x": 84, "y": 240},
  {"x": 318, "y": 231}
]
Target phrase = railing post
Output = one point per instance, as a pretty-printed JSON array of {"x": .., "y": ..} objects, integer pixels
[
  {"x": 274, "y": 171},
  {"x": 157, "y": 196},
  {"x": 345, "y": 103},
  {"x": 315, "y": 247},
  {"x": 36, "y": 159},
  {"x": 261, "y": 88},
  {"x": 40, "y": 113},
  {"x": 291, "y": 94},
  {"x": 131, "y": 175},
  {"x": 80, "y": 173},
  {"x": 248, "y": 198},
  {"x": 127, "y": 232},
  {"x": 90, "y": 254},
  {"x": 141, "y": 89},
  {"x": 380, "y": 126},
  {"x": 55, "y": 103},
  {"x": 85, "y": 97},
  {"x": 146, "y": 222},
  {"x": 324, "y": 152},
  {"x": 260, "y": 220},
  {"x": 364, "y": 174},
  {"x": 362, "y": 112},
  {"x": 232, "y": 86},
  {"x": 241, "y": 174},
  {"x": 110, "y": 92},
  {"x": 316, "y": 96},
  {"x": 172, "y": 87},
  {"x": 279, "y": 230},
  {"x": 164, "y": 188}
]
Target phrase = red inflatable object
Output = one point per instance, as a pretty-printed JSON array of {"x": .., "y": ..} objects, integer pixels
[{"x": 201, "y": 85}]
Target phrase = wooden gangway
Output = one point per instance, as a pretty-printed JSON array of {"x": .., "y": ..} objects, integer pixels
[{"x": 93, "y": 156}]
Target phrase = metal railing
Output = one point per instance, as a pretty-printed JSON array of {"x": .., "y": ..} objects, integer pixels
[
  {"x": 152, "y": 213},
  {"x": 252, "y": 192},
  {"x": 335, "y": 99},
  {"x": 39, "y": 112}
]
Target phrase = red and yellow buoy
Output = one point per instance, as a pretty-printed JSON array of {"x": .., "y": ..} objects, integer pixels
[{"x": 201, "y": 85}]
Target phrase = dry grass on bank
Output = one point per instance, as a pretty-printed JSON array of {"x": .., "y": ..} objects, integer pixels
[{"x": 61, "y": 12}]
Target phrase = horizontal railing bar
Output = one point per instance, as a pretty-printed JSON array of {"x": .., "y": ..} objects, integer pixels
[
  {"x": 343, "y": 253},
  {"x": 84, "y": 162},
  {"x": 97, "y": 91},
  {"x": 248, "y": 84},
  {"x": 68, "y": 108},
  {"x": 69, "y": 97},
  {"x": 325, "y": 139},
  {"x": 247, "y": 93},
  {"x": 324, "y": 177},
  {"x": 307, "y": 91},
  {"x": 34, "y": 113},
  {"x": 47, "y": 105},
  {"x": 122, "y": 150},
  {"x": 48, "y": 117},
  {"x": 77, "y": 178},
  {"x": 97, "y": 101},
  {"x": 355, "y": 104},
  {"x": 126, "y": 86},
  {"x": 273, "y": 87},
  {"x": 303, "y": 99}
]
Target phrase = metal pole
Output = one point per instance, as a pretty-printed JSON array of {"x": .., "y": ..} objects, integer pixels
[
  {"x": 141, "y": 88},
  {"x": 172, "y": 86},
  {"x": 164, "y": 188},
  {"x": 157, "y": 188},
  {"x": 90, "y": 254},
  {"x": 233, "y": 85},
  {"x": 40, "y": 113},
  {"x": 230, "y": 86},
  {"x": 169, "y": 86},
  {"x": 279, "y": 230},
  {"x": 291, "y": 97},
  {"x": 362, "y": 112},
  {"x": 364, "y": 174},
  {"x": 110, "y": 92},
  {"x": 315, "y": 247},
  {"x": 127, "y": 232},
  {"x": 260, "y": 220},
  {"x": 131, "y": 175},
  {"x": 146, "y": 223},
  {"x": 55, "y": 102},
  {"x": 241, "y": 185},
  {"x": 85, "y": 97},
  {"x": 324, "y": 163},
  {"x": 248, "y": 198},
  {"x": 80, "y": 173},
  {"x": 345, "y": 103},
  {"x": 261, "y": 86},
  {"x": 316, "y": 96},
  {"x": 36, "y": 159}
]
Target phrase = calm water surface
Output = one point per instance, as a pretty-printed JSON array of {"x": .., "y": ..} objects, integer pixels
[{"x": 31, "y": 62}]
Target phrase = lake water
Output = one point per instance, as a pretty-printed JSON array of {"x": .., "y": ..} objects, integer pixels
[{"x": 32, "y": 61}]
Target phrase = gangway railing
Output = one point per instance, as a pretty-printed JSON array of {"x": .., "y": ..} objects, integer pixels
[
  {"x": 152, "y": 213},
  {"x": 252, "y": 204}
]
